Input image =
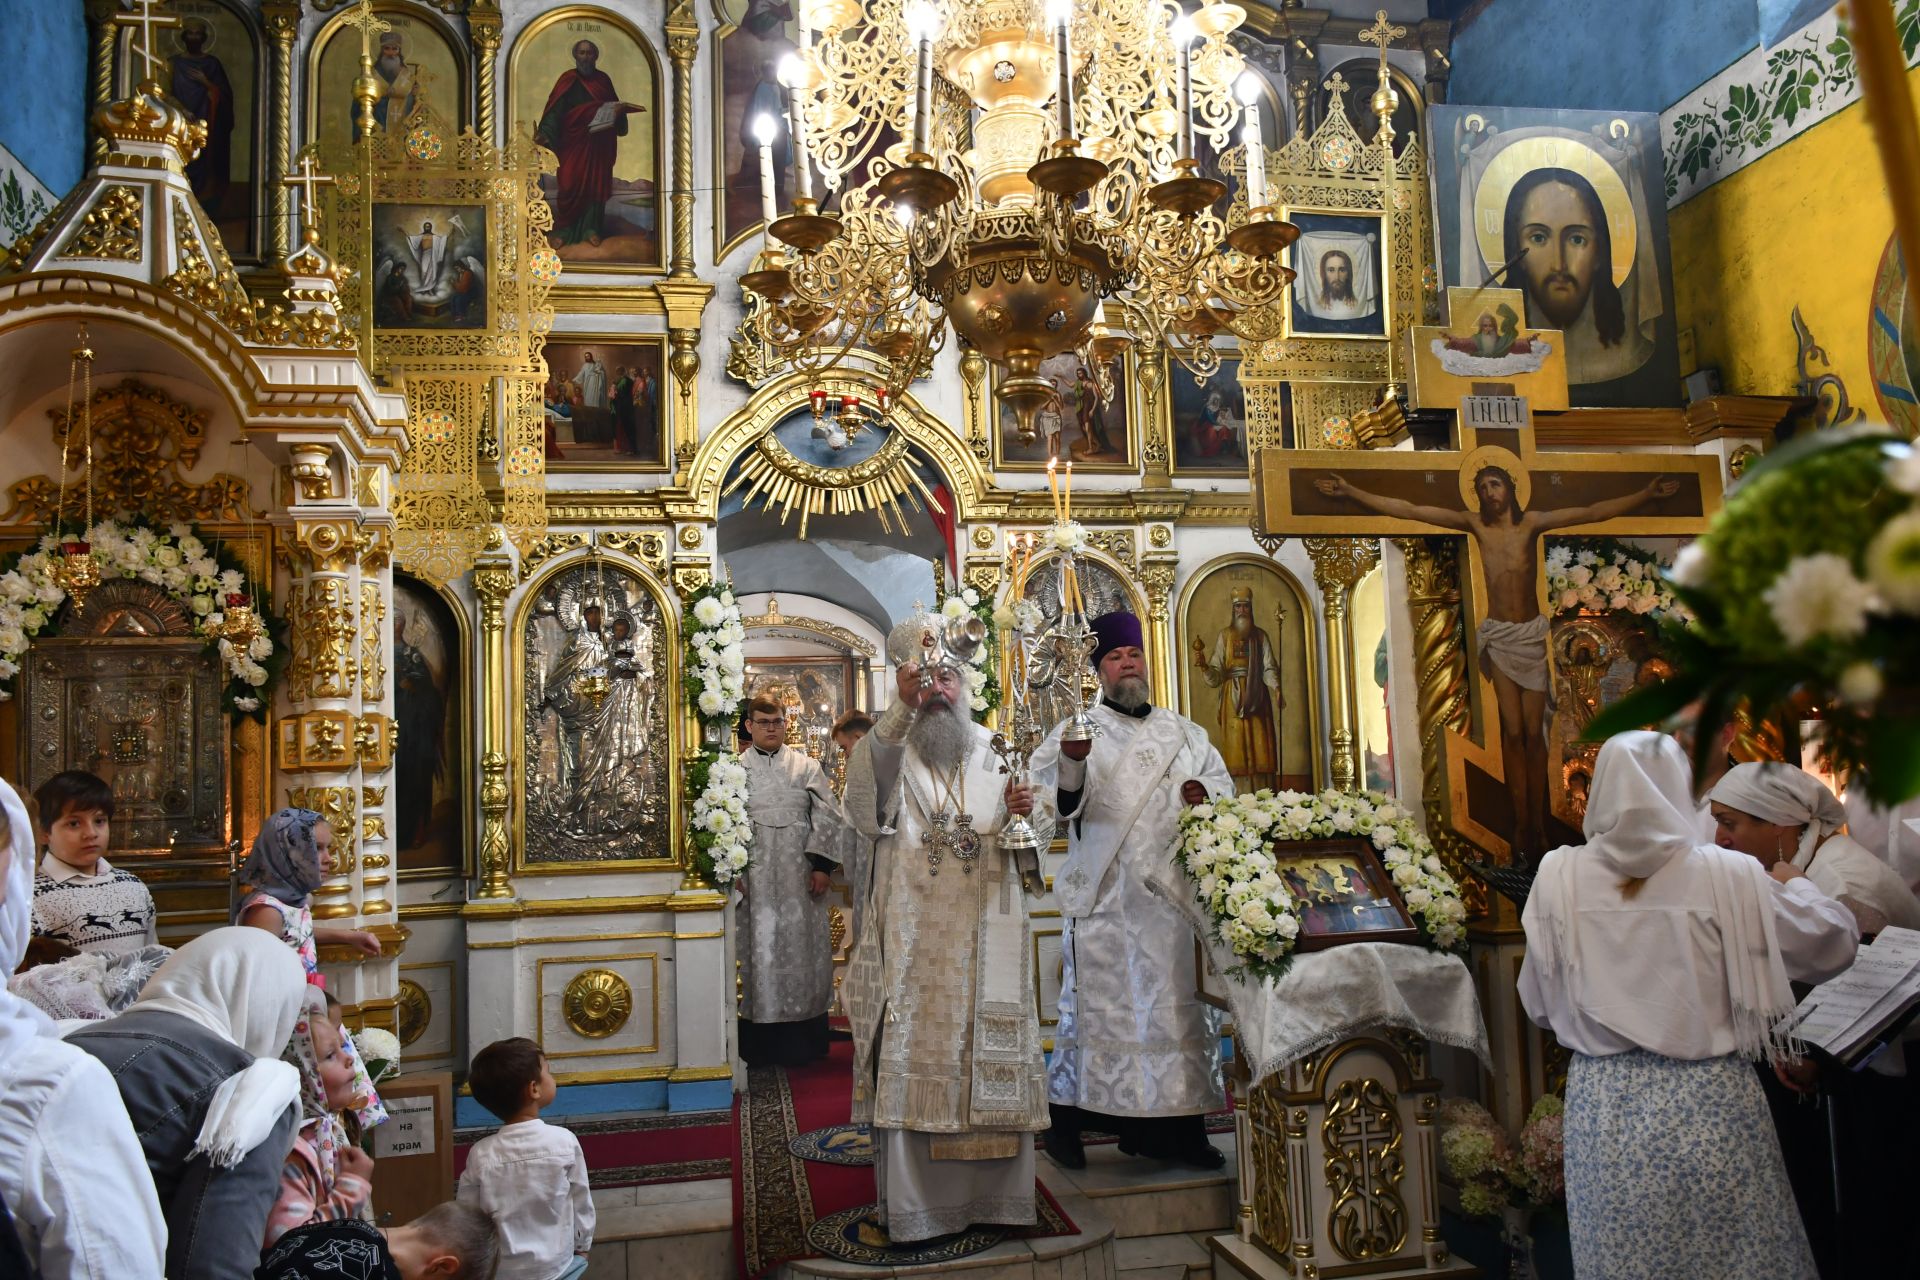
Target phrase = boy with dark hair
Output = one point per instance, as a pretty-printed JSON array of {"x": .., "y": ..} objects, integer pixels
[
  {"x": 532, "y": 1176},
  {"x": 78, "y": 897},
  {"x": 448, "y": 1242}
]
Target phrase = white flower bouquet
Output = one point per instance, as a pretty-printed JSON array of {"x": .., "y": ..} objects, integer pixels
[
  {"x": 1605, "y": 575},
  {"x": 1805, "y": 592},
  {"x": 716, "y": 653},
  {"x": 983, "y": 688},
  {"x": 379, "y": 1052},
  {"x": 722, "y": 832},
  {"x": 179, "y": 563},
  {"x": 1229, "y": 848}
]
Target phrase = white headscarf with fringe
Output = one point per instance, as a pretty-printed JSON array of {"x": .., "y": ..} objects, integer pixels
[
  {"x": 245, "y": 986},
  {"x": 1640, "y": 818}
]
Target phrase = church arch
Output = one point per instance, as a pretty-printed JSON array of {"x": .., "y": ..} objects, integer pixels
[
  {"x": 933, "y": 440},
  {"x": 667, "y": 693}
]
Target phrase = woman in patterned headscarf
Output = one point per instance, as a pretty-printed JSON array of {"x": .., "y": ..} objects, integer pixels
[
  {"x": 291, "y": 858},
  {"x": 325, "y": 1178}
]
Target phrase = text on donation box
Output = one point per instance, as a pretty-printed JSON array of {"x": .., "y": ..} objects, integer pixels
[{"x": 408, "y": 1130}]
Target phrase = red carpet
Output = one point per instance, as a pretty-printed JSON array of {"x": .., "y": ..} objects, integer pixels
[
  {"x": 777, "y": 1195},
  {"x": 688, "y": 1147}
]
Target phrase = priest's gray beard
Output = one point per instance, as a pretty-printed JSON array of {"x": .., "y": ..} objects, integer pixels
[
  {"x": 1129, "y": 693},
  {"x": 940, "y": 734}
]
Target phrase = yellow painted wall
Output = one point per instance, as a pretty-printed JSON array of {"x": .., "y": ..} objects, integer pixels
[{"x": 1804, "y": 225}]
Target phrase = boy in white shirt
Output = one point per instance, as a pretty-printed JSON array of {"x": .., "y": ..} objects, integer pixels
[
  {"x": 79, "y": 898},
  {"x": 532, "y": 1176}
]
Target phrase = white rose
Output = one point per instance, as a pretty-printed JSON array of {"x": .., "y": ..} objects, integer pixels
[
  {"x": 1286, "y": 926},
  {"x": 1432, "y": 864},
  {"x": 726, "y": 599},
  {"x": 257, "y": 677},
  {"x": 1406, "y": 874},
  {"x": 1418, "y": 899},
  {"x": 167, "y": 557}
]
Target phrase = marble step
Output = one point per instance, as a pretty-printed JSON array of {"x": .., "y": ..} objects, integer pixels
[
  {"x": 678, "y": 1229},
  {"x": 1088, "y": 1255},
  {"x": 1151, "y": 1197}
]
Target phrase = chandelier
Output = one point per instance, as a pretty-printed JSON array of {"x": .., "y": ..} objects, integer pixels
[{"x": 1006, "y": 168}]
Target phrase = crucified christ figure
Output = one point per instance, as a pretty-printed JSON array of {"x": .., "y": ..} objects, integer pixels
[{"x": 1513, "y": 636}]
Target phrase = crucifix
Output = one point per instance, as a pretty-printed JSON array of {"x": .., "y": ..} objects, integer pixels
[
  {"x": 960, "y": 840},
  {"x": 306, "y": 181},
  {"x": 1504, "y": 495},
  {"x": 1380, "y": 35},
  {"x": 143, "y": 18}
]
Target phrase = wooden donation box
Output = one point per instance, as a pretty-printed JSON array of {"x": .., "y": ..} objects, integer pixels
[
  {"x": 1338, "y": 1147},
  {"x": 413, "y": 1150}
]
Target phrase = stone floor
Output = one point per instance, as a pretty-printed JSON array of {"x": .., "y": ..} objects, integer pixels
[{"x": 1138, "y": 1220}]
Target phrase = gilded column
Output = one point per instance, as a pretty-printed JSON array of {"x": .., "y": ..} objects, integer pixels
[
  {"x": 683, "y": 45},
  {"x": 493, "y": 582},
  {"x": 1339, "y": 563},
  {"x": 281, "y": 18},
  {"x": 1441, "y": 688},
  {"x": 483, "y": 26},
  {"x": 1153, "y": 449},
  {"x": 101, "y": 38},
  {"x": 1157, "y": 575}
]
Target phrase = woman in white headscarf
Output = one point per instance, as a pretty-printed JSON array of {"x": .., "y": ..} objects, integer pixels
[
  {"x": 1663, "y": 964},
  {"x": 197, "y": 1059},
  {"x": 71, "y": 1170},
  {"x": 1775, "y": 812},
  {"x": 1863, "y": 1125}
]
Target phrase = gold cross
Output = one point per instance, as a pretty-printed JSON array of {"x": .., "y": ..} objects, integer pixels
[
  {"x": 1381, "y": 33},
  {"x": 371, "y": 24},
  {"x": 305, "y": 181},
  {"x": 142, "y": 15}
]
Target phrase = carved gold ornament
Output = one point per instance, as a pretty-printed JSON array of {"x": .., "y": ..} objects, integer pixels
[
  {"x": 772, "y": 474},
  {"x": 597, "y": 1003},
  {"x": 413, "y": 1011},
  {"x": 111, "y": 229}
]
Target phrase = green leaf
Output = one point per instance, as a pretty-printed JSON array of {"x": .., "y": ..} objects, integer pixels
[{"x": 1893, "y": 755}]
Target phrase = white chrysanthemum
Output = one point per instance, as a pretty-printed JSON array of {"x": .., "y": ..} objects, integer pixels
[
  {"x": 1817, "y": 596},
  {"x": 1003, "y": 618},
  {"x": 1691, "y": 567},
  {"x": 260, "y": 648},
  {"x": 708, "y": 612},
  {"x": 1893, "y": 562},
  {"x": 1861, "y": 683},
  {"x": 711, "y": 702},
  {"x": 954, "y": 607}
]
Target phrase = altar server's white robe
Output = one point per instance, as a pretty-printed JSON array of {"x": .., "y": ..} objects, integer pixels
[
  {"x": 1133, "y": 1038},
  {"x": 946, "y": 1041},
  {"x": 786, "y": 945}
]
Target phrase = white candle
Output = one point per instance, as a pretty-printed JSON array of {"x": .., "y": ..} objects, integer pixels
[
  {"x": 793, "y": 75},
  {"x": 1182, "y": 32},
  {"x": 764, "y": 131},
  {"x": 1060, "y": 13},
  {"x": 1248, "y": 89},
  {"x": 923, "y": 23}
]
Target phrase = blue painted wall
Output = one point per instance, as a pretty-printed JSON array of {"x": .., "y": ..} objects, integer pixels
[
  {"x": 43, "y": 102},
  {"x": 1626, "y": 55}
]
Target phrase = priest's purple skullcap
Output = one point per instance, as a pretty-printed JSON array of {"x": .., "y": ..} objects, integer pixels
[{"x": 1116, "y": 630}]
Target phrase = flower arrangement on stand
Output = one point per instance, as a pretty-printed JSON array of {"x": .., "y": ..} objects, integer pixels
[
  {"x": 1805, "y": 593},
  {"x": 1228, "y": 848},
  {"x": 1605, "y": 575},
  {"x": 229, "y": 611},
  {"x": 716, "y": 783},
  {"x": 1520, "y": 1181}
]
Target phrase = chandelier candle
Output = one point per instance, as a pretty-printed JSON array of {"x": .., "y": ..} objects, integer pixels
[
  {"x": 793, "y": 71},
  {"x": 764, "y": 132},
  {"x": 1248, "y": 88},
  {"x": 1061, "y": 13},
  {"x": 924, "y": 23},
  {"x": 1183, "y": 33}
]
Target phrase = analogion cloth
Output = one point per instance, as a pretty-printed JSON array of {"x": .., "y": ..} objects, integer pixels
[
  {"x": 1517, "y": 650},
  {"x": 1673, "y": 1170},
  {"x": 786, "y": 943},
  {"x": 1133, "y": 1039}
]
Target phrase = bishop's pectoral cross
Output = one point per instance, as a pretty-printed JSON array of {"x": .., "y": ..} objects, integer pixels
[
  {"x": 1503, "y": 494},
  {"x": 959, "y": 840}
]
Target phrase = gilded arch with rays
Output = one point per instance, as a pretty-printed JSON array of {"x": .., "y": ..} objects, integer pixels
[
  {"x": 667, "y": 696},
  {"x": 968, "y": 481}
]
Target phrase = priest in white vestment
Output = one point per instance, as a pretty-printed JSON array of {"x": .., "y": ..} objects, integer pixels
[
  {"x": 786, "y": 938},
  {"x": 1136, "y": 1052},
  {"x": 948, "y": 1068}
]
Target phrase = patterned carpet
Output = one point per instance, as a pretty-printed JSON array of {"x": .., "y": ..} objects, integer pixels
[
  {"x": 803, "y": 1182},
  {"x": 691, "y": 1146}
]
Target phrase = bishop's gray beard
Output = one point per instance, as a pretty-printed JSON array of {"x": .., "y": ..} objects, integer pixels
[
  {"x": 941, "y": 737},
  {"x": 1129, "y": 693}
]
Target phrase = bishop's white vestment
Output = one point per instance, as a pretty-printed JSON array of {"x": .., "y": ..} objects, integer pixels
[
  {"x": 948, "y": 1068},
  {"x": 1133, "y": 1038}
]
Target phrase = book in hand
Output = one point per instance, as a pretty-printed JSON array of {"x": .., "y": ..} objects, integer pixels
[{"x": 1853, "y": 1015}]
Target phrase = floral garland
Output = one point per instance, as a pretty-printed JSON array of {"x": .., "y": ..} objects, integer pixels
[
  {"x": 983, "y": 686},
  {"x": 1605, "y": 575},
  {"x": 716, "y": 785},
  {"x": 179, "y": 562},
  {"x": 1227, "y": 848}
]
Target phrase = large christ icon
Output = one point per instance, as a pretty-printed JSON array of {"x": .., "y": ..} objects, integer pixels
[{"x": 1513, "y": 636}]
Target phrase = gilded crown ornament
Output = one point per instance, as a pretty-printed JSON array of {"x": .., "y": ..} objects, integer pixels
[{"x": 1046, "y": 167}]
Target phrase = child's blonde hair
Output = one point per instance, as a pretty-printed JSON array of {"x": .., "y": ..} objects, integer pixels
[{"x": 468, "y": 1233}]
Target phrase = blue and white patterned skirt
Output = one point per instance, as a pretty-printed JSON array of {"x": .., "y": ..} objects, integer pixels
[{"x": 1673, "y": 1170}]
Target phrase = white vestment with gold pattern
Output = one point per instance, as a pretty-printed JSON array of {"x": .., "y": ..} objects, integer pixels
[
  {"x": 948, "y": 1067},
  {"x": 1133, "y": 1038}
]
